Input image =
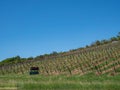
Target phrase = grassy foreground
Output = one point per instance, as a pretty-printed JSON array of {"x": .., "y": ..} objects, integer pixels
[{"x": 38, "y": 82}]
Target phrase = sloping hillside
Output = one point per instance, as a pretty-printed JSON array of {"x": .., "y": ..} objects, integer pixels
[{"x": 102, "y": 59}]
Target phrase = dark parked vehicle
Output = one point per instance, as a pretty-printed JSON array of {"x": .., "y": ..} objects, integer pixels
[{"x": 34, "y": 70}]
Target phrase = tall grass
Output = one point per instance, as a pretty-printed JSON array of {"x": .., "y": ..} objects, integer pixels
[{"x": 61, "y": 82}]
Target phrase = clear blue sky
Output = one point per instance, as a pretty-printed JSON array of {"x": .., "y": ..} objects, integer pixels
[{"x": 35, "y": 27}]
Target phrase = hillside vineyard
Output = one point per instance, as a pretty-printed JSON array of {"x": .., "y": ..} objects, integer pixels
[{"x": 103, "y": 59}]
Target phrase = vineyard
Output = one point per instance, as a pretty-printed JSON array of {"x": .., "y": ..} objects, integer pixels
[{"x": 103, "y": 59}]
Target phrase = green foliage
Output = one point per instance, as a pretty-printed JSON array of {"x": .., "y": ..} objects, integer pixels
[
  {"x": 54, "y": 53},
  {"x": 30, "y": 58},
  {"x": 118, "y": 36},
  {"x": 113, "y": 39},
  {"x": 61, "y": 82},
  {"x": 12, "y": 60},
  {"x": 97, "y": 43},
  {"x": 86, "y": 46}
]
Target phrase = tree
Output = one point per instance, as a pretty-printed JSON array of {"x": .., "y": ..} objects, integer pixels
[
  {"x": 86, "y": 46},
  {"x": 17, "y": 58},
  {"x": 30, "y": 58},
  {"x": 118, "y": 36},
  {"x": 104, "y": 41},
  {"x": 54, "y": 53},
  {"x": 113, "y": 39},
  {"x": 98, "y": 42}
]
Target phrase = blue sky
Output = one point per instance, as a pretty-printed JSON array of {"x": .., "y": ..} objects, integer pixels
[{"x": 35, "y": 27}]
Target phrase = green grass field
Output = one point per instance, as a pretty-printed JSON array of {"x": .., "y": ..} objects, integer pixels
[{"x": 62, "y": 82}]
